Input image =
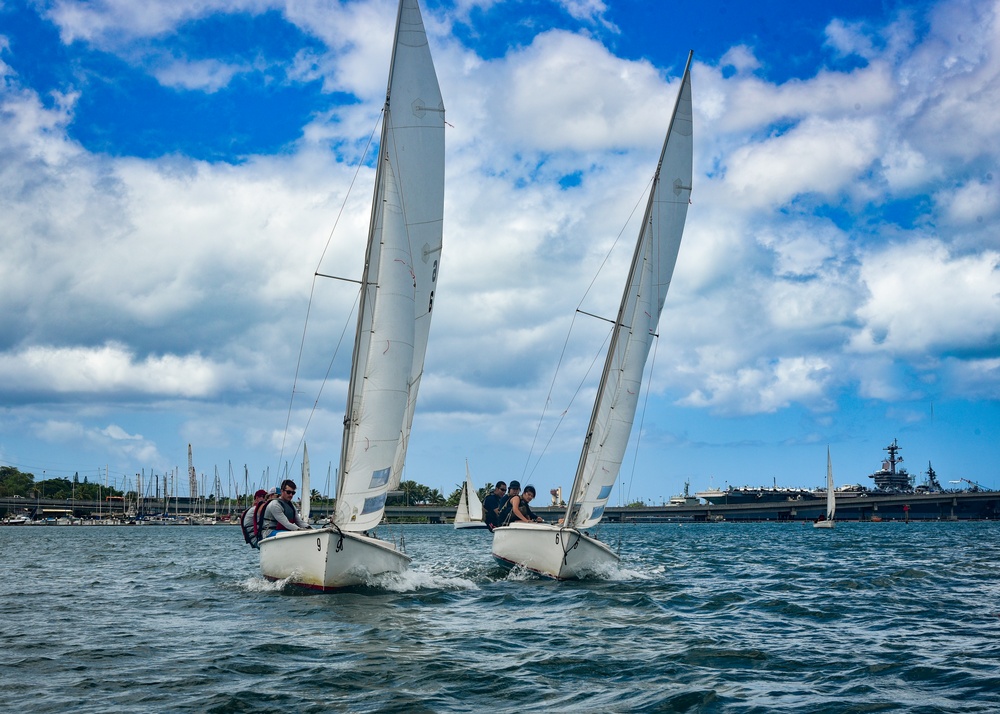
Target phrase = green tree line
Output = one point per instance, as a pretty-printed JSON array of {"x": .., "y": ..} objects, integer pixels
[{"x": 14, "y": 482}]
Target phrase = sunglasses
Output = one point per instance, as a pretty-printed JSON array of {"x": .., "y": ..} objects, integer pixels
[{"x": 291, "y": 492}]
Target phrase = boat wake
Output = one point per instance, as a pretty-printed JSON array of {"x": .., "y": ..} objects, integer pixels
[
  {"x": 610, "y": 572},
  {"x": 257, "y": 584},
  {"x": 413, "y": 580},
  {"x": 620, "y": 573}
]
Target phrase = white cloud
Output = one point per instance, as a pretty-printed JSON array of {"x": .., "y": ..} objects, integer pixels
[
  {"x": 107, "y": 22},
  {"x": 106, "y": 370},
  {"x": 765, "y": 387},
  {"x": 850, "y": 38},
  {"x": 745, "y": 104},
  {"x": 568, "y": 92},
  {"x": 741, "y": 58},
  {"x": 113, "y": 431},
  {"x": 905, "y": 168},
  {"x": 592, "y": 10},
  {"x": 207, "y": 75},
  {"x": 924, "y": 300},
  {"x": 111, "y": 443},
  {"x": 974, "y": 202},
  {"x": 816, "y": 156}
]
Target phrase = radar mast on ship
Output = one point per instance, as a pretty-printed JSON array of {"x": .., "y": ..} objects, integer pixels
[{"x": 889, "y": 477}]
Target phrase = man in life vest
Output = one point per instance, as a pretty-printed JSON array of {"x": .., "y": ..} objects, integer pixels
[
  {"x": 280, "y": 514},
  {"x": 248, "y": 521}
]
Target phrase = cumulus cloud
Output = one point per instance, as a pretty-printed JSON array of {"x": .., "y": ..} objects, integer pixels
[
  {"x": 816, "y": 156},
  {"x": 764, "y": 388},
  {"x": 568, "y": 92},
  {"x": 106, "y": 370},
  {"x": 974, "y": 202},
  {"x": 923, "y": 300}
]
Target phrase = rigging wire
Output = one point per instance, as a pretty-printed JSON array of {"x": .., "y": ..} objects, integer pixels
[
  {"x": 562, "y": 354},
  {"x": 642, "y": 417},
  {"x": 305, "y": 326},
  {"x": 579, "y": 388}
]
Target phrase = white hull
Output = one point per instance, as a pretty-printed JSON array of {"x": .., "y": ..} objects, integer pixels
[
  {"x": 823, "y": 524},
  {"x": 328, "y": 559},
  {"x": 552, "y": 551},
  {"x": 469, "y": 524}
]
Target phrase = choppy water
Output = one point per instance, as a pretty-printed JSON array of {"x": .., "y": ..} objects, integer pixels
[{"x": 871, "y": 617}]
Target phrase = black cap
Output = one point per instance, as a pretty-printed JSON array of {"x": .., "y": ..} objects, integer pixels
[{"x": 514, "y": 484}]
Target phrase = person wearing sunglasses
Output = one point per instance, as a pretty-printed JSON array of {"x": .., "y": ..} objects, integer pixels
[
  {"x": 492, "y": 503},
  {"x": 280, "y": 514}
]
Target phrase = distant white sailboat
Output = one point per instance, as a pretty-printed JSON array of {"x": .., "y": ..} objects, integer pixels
[
  {"x": 565, "y": 550},
  {"x": 470, "y": 509},
  {"x": 831, "y": 496},
  {"x": 397, "y": 296},
  {"x": 305, "y": 494}
]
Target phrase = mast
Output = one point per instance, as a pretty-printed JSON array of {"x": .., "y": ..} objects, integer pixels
[
  {"x": 399, "y": 272},
  {"x": 633, "y": 329},
  {"x": 306, "y": 497},
  {"x": 366, "y": 304},
  {"x": 192, "y": 477},
  {"x": 831, "y": 497}
]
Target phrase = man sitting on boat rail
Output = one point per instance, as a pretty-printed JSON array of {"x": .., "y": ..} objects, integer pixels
[{"x": 280, "y": 514}]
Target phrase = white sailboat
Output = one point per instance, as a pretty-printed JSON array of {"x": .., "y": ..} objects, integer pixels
[
  {"x": 565, "y": 550},
  {"x": 305, "y": 485},
  {"x": 470, "y": 509},
  {"x": 398, "y": 283},
  {"x": 831, "y": 496}
]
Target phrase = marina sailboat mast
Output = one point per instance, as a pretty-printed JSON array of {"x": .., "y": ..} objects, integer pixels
[
  {"x": 635, "y": 326},
  {"x": 398, "y": 281}
]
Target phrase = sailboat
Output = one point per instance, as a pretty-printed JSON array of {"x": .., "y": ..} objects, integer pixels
[
  {"x": 397, "y": 297},
  {"x": 831, "y": 496},
  {"x": 305, "y": 495},
  {"x": 565, "y": 550},
  {"x": 470, "y": 509}
]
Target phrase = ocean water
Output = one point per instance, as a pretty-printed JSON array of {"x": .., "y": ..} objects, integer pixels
[{"x": 869, "y": 617}]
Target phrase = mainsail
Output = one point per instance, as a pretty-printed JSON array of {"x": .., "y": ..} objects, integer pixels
[
  {"x": 831, "y": 494},
  {"x": 635, "y": 327},
  {"x": 401, "y": 269},
  {"x": 474, "y": 505}
]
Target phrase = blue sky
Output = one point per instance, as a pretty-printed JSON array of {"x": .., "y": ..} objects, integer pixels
[{"x": 171, "y": 173}]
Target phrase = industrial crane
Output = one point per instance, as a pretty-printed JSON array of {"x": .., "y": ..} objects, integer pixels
[{"x": 975, "y": 486}]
